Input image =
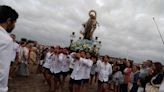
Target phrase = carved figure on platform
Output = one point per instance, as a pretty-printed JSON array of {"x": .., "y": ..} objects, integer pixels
[{"x": 89, "y": 26}]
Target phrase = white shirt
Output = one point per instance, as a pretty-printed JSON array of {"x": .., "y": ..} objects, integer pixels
[
  {"x": 97, "y": 64},
  {"x": 87, "y": 69},
  {"x": 48, "y": 60},
  {"x": 15, "y": 50},
  {"x": 64, "y": 59},
  {"x": 6, "y": 54},
  {"x": 104, "y": 71},
  {"x": 71, "y": 60},
  {"x": 56, "y": 64},
  {"x": 78, "y": 69}
]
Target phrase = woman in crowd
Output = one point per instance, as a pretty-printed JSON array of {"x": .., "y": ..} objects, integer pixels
[
  {"x": 23, "y": 69},
  {"x": 117, "y": 77},
  {"x": 32, "y": 59},
  {"x": 135, "y": 77},
  {"x": 127, "y": 76},
  {"x": 157, "y": 79}
]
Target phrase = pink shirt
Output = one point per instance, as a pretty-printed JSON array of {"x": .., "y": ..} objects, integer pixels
[{"x": 127, "y": 74}]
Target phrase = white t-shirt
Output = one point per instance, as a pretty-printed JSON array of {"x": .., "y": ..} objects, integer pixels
[{"x": 6, "y": 54}]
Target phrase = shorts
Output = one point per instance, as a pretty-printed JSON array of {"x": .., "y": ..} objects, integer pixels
[
  {"x": 92, "y": 75},
  {"x": 57, "y": 75},
  {"x": 77, "y": 82},
  {"x": 64, "y": 73},
  {"x": 85, "y": 81},
  {"x": 100, "y": 82},
  {"x": 47, "y": 70},
  {"x": 96, "y": 73},
  {"x": 70, "y": 70}
]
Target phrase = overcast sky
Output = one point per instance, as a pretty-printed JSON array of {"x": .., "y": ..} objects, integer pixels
[{"x": 126, "y": 26}]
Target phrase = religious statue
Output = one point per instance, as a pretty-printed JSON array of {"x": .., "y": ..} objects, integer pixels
[
  {"x": 87, "y": 44},
  {"x": 90, "y": 26}
]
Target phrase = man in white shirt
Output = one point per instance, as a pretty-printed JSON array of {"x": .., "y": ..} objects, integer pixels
[
  {"x": 86, "y": 71},
  {"x": 65, "y": 62},
  {"x": 78, "y": 72},
  {"x": 104, "y": 71},
  {"x": 47, "y": 65},
  {"x": 87, "y": 68},
  {"x": 8, "y": 17},
  {"x": 96, "y": 69},
  {"x": 56, "y": 68}
]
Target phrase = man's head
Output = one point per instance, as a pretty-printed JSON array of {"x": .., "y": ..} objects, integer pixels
[
  {"x": 106, "y": 58},
  {"x": 8, "y": 17},
  {"x": 88, "y": 55}
]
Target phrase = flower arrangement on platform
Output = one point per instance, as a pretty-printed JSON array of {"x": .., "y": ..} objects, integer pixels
[{"x": 92, "y": 46}]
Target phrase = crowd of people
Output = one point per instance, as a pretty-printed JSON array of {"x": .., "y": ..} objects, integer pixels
[{"x": 81, "y": 68}]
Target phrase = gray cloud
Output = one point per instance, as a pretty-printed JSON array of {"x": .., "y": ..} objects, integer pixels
[{"x": 126, "y": 26}]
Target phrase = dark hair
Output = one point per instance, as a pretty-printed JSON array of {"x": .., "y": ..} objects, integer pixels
[
  {"x": 83, "y": 51},
  {"x": 106, "y": 56},
  {"x": 7, "y": 12},
  {"x": 22, "y": 42},
  {"x": 52, "y": 47},
  {"x": 158, "y": 67},
  {"x": 94, "y": 56},
  {"x": 24, "y": 39}
]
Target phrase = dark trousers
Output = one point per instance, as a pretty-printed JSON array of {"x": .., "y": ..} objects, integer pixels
[
  {"x": 124, "y": 87},
  {"x": 134, "y": 88}
]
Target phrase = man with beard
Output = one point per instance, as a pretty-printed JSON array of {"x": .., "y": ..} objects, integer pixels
[{"x": 8, "y": 17}]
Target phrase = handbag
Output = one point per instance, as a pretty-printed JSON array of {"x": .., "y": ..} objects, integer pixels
[{"x": 151, "y": 88}]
